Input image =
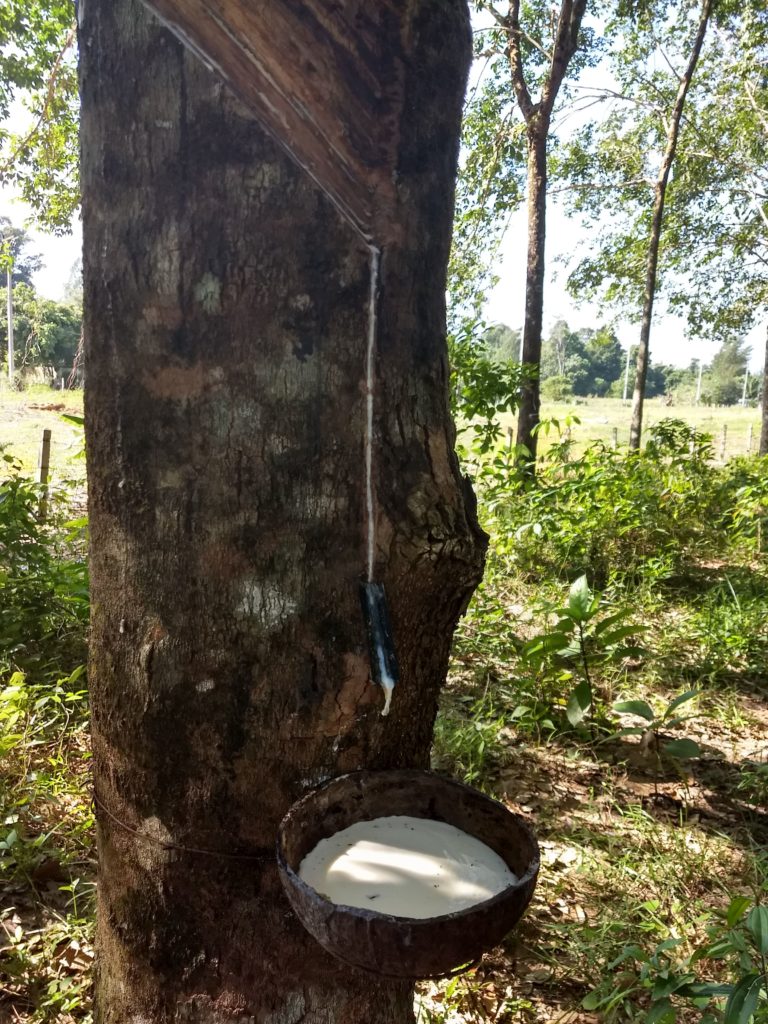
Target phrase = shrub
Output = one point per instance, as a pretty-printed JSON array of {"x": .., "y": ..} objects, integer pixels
[
  {"x": 613, "y": 513},
  {"x": 43, "y": 581}
]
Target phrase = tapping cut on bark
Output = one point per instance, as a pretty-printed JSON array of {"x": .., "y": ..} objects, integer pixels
[{"x": 325, "y": 78}]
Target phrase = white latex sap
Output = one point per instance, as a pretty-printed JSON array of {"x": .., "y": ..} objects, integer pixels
[{"x": 408, "y": 867}]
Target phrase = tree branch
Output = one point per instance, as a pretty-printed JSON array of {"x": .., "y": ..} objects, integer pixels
[
  {"x": 750, "y": 90},
  {"x": 598, "y": 95},
  {"x": 594, "y": 186},
  {"x": 566, "y": 42},
  {"x": 49, "y": 94},
  {"x": 514, "y": 54}
]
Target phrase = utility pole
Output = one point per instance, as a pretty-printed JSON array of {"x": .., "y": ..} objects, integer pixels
[
  {"x": 697, "y": 399},
  {"x": 744, "y": 392},
  {"x": 626, "y": 374},
  {"x": 9, "y": 282}
]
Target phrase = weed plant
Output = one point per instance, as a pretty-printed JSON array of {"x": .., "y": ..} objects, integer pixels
[
  {"x": 637, "y": 917},
  {"x": 45, "y": 815},
  {"x": 621, "y": 622}
]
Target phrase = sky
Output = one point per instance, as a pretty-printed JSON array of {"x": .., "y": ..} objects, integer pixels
[
  {"x": 59, "y": 253},
  {"x": 505, "y": 304}
]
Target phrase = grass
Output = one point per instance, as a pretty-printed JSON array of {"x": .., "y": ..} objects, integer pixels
[
  {"x": 641, "y": 857},
  {"x": 599, "y": 416},
  {"x": 23, "y": 417}
]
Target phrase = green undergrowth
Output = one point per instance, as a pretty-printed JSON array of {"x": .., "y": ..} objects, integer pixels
[
  {"x": 46, "y": 859},
  {"x": 610, "y": 683}
]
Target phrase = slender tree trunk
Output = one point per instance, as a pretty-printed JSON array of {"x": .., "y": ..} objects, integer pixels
[
  {"x": 225, "y": 324},
  {"x": 9, "y": 319},
  {"x": 530, "y": 400},
  {"x": 537, "y": 119},
  {"x": 764, "y": 404},
  {"x": 657, "y": 221}
]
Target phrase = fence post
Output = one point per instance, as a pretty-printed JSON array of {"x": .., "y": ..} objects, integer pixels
[
  {"x": 43, "y": 468},
  {"x": 749, "y": 439},
  {"x": 615, "y": 437},
  {"x": 723, "y": 440},
  {"x": 510, "y": 438}
]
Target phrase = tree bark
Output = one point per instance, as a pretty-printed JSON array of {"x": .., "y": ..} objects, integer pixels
[
  {"x": 537, "y": 120},
  {"x": 763, "y": 450},
  {"x": 225, "y": 325},
  {"x": 530, "y": 398},
  {"x": 657, "y": 221}
]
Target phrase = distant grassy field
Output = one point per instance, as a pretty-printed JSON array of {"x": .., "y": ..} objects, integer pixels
[
  {"x": 599, "y": 416},
  {"x": 23, "y": 417}
]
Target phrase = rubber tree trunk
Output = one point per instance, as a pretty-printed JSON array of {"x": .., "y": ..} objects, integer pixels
[
  {"x": 530, "y": 398},
  {"x": 225, "y": 320},
  {"x": 764, "y": 405}
]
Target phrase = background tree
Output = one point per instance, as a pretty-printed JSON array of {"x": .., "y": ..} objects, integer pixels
[
  {"x": 73, "y": 290},
  {"x": 719, "y": 241},
  {"x": 46, "y": 333},
  {"x": 622, "y": 165},
  {"x": 502, "y": 343},
  {"x": 590, "y": 360},
  {"x": 491, "y": 185},
  {"x": 725, "y": 377},
  {"x": 14, "y": 241},
  {"x": 606, "y": 358},
  {"x": 38, "y": 66},
  {"x": 225, "y": 307},
  {"x": 538, "y": 51},
  {"x": 657, "y": 217},
  {"x": 555, "y": 351}
]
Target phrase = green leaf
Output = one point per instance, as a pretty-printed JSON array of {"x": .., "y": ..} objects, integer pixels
[
  {"x": 591, "y": 1000},
  {"x": 664, "y": 985},
  {"x": 612, "y": 620},
  {"x": 682, "y": 699},
  {"x": 683, "y": 748},
  {"x": 631, "y": 952},
  {"x": 742, "y": 1002},
  {"x": 635, "y": 707},
  {"x": 736, "y": 909},
  {"x": 76, "y": 524},
  {"x": 633, "y": 652},
  {"x": 700, "y": 989},
  {"x": 757, "y": 923},
  {"x": 658, "y": 1011},
  {"x": 547, "y": 643},
  {"x": 580, "y": 601},
  {"x": 579, "y": 703},
  {"x": 617, "y": 635}
]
